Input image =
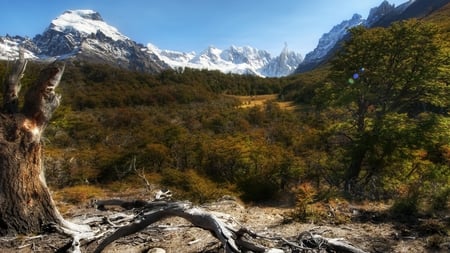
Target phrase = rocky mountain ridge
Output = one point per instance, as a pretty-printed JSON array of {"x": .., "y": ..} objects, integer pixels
[{"x": 239, "y": 60}]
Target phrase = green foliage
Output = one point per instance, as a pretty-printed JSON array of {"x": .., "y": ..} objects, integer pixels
[
  {"x": 393, "y": 83},
  {"x": 303, "y": 88}
]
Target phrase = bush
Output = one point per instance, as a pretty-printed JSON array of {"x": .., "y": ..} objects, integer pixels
[
  {"x": 192, "y": 186},
  {"x": 440, "y": 201},
  {"x": 79, "y": 194},
  {"x": 406, "y": 207}
]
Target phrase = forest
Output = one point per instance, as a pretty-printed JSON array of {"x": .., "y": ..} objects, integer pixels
[{"x": 371, "y": 125}]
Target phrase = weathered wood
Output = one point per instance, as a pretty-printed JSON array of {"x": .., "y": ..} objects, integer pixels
[
  {"x": 41, "y": 99},
  {"x": 12, "y": 85},
  {"x": 26, "y": 205},
  {"x": 233, "y": 240}
]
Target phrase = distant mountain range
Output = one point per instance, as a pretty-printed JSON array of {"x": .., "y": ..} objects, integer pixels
[
  {"x": 239, "y": 60},
  {"x": 83, "y": 35}
]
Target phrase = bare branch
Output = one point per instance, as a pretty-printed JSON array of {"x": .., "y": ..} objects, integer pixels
[
  {"x": 233, "y": 239},
  {"x": 12, "y": 85},
  {"x": 41, "y": 99}
]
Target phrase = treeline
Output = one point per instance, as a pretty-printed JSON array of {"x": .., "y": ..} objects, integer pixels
[{"x": 104, "y": 86}]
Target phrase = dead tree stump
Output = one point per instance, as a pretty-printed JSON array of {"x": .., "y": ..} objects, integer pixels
[{"x": 26, "y": 205}]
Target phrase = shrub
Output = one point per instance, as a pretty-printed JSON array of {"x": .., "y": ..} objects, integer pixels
[
  {"x": 440, "y": 201},
  {"x": 190, "y": 185},
  {"x": 79, "y": 194},
  {"x": 406, "y": 207}
]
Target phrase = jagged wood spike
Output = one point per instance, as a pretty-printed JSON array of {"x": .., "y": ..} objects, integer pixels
[
  {"x": 41, "y": 99},
  {"x": 12, "y": 85}
]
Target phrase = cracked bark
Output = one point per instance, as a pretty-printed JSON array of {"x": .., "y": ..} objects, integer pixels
[{"x": 26, "y": 205}]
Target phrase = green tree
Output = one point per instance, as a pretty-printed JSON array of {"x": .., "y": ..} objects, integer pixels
[{"x": 393, "y": 83}]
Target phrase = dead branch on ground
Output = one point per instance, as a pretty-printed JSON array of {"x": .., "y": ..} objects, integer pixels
[{"x": 234, "y": 238}]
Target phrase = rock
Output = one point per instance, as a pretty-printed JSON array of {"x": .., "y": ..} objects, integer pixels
[
  {"x": 156, "y": 250},
  {"x": 275, "y": 251}
]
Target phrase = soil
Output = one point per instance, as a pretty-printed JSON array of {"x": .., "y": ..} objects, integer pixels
[{"x": 369, "y": 229}]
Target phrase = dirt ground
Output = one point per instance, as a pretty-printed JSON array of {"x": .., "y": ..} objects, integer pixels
[{"x": 368, "y": 230}]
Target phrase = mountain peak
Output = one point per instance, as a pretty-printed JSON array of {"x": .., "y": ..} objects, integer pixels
[
  {"x": 86, "y": 14},
  {"x": 84, "y": 22},
  {"x": 377, "y": 13}
]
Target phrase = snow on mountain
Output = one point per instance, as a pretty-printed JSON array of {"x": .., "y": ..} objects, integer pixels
[
  {"x": 329, "y": 40},
  {"x": 85, "y": 22},
  {"x": 237, "y": 60},
  {"x": 84, "y": 35},
  {"x": 284, "y": 64},
  {"x": 9, "y": 48},
  {"x": 173, "y": 58},
  {"x": 67, "y": 32}
]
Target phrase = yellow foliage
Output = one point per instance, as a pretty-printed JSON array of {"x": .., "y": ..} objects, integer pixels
[{"x": 79, "y": 194}]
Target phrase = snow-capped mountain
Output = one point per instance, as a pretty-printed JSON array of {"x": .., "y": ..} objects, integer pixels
[
  {"x": 9, "y": 47},
  {"x": 329, "y": 41},
  {"x": 83, "y": 34},
  {"x": 238, "y": 60},
  {"x": 284, "y": 64}
]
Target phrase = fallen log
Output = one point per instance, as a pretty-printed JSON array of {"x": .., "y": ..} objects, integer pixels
[{"x": 233, "y": 239}]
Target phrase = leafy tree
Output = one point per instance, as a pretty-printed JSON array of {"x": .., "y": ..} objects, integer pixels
[{"x": 393, "y": 83}]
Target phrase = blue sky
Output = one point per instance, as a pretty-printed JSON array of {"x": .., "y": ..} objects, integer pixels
[{"x": 193, "y": 25}]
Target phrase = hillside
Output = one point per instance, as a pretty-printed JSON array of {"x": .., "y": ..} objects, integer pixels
[{"x": 441, "y": 17}]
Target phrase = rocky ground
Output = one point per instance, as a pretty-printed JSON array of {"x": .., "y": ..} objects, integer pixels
[{"x": 369, "y": 230}]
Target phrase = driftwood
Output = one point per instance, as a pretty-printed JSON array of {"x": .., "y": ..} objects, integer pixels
[{"x": 233, "y": 238}]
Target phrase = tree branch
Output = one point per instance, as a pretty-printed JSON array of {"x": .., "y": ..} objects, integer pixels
[
  {"x": 233, "y": 240},
  {"x": 41, "y": 99},
  {"x": 12, "y": 85}
]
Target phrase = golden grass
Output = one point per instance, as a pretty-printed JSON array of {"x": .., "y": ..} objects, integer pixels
[{"x": 260, "y": 100}]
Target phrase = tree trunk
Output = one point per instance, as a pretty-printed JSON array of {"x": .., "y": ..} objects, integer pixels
[
  {"x": 26, "y": 205},
  {"x": 355, "y": 167}
]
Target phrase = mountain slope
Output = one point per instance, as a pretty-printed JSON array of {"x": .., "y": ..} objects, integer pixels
[
  {"x": 415, "y": 9},
  {"x": 328, "y": 41}
]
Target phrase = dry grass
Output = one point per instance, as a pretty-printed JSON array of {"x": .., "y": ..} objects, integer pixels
[{"x": 260, "y": 100}]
